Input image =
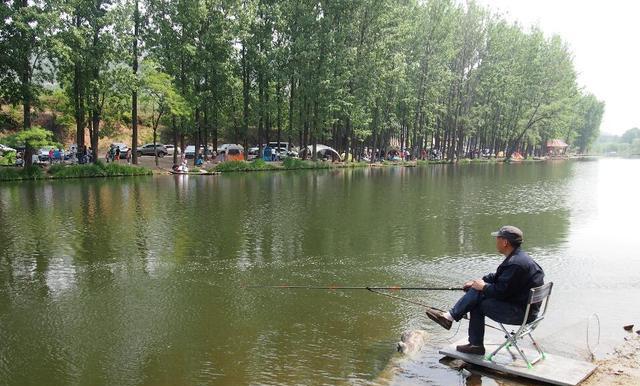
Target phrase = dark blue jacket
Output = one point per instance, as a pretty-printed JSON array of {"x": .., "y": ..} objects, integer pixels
[{"x": 513, "y": 279}]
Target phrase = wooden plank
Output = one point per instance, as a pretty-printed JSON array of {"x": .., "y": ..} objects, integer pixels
[{"x": 554, "y": 369}]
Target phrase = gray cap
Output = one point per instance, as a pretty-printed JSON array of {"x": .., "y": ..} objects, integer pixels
[{"x": 509, "y": 232}]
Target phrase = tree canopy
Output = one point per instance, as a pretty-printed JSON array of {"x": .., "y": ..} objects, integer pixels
[{"x": 374, "y": 74}]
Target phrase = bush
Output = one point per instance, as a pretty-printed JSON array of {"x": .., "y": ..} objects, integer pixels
[
  {"x": 115, "y": 169},
  {"x": 232, "y": 166},
  {"x": 16, "y": 174},
  {"x": 260, "y": 164},
  {"x": 96, "y": 170},
  {"x": 296, "y": 163},
  {"x": 244, "y": 166},
  {"x": 9, "y": 158}
]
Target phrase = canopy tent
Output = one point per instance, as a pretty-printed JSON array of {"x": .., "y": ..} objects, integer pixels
[
  {"x": 556, "y": 147},
  {"x": 557, "y": 143},
  {"x": 322, "y": 151}
]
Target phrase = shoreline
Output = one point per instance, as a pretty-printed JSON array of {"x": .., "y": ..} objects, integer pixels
[
  {"x": 621, "y": 367},
  {"x": 62, "y": 171}
]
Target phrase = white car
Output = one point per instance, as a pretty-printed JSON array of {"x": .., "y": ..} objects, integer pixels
[
  {"x": 190, "y": 151},
  {"x": 43, "y": 153},
  {"x": 171, "y": 149}
]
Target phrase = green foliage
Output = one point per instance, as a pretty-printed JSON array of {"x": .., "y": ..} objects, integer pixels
[
  {"x": 635, "y": 147},
  {"x": 96, "y": 170},
  {"x": 295, "y": 163},
  {"x": 34, "y": 138},
  {"x": 244, "y": 166},
  {"x": 158, "y": 90},
  {"x": 72, "y": 171},
  {"x": 15, "y": 174},
  {"x": 630, "y": 135},
  {"x": 587, "y": 121},
  {"x": 357, "y": 73},
  {"x": 260, "y": 164},
  {"x": 8, "y": 158},
  {"x": 628, "y": 144}
]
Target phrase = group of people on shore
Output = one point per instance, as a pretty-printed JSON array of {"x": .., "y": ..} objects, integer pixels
[
  {"x": 58, "y": 155},
  {"x": 114, "y": 154}
]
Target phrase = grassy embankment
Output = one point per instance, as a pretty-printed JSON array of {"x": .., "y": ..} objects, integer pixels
[
  {"x": 71, "y": 171},
  {"x": 287, "y": 164},
  {"x": 297, "y": 164}
]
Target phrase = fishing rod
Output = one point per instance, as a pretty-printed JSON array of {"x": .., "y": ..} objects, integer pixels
[{"x": 368, "y": 288}]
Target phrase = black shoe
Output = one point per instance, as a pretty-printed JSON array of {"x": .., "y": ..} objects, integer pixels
[
  {"x": 438, "y": 317},
  {"x": 471, "y": 349}
]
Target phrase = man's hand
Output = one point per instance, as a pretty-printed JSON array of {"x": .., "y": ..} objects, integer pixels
[
  {"x": 477, "y": 284},
  {"x": 467, "y": 285}
]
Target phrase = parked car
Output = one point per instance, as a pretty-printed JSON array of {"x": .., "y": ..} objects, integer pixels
[
  {"x": 148, "y": 149},
  {"x": 43, "y": 153},
  {"x": 190, "y": 151},
  {"x": 252, "y": 153},
  {"x": 171, "y": 149},
  {"x": 283, "y": 145},
  {"x": 123, "y": 148}
]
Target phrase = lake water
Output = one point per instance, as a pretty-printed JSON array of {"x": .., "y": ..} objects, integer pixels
[{"x": 143, "y": 281}]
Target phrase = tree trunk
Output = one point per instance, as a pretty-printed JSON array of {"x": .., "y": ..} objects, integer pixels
[
  {"x": 134, "y": 93},
  {"x": 78, "y": 98},
  {"x": 174, "y": 129},
  {"x": 279, "y": 113},
  {"x": 245, "y": 98},
  {"x": 93, "y": 132}
]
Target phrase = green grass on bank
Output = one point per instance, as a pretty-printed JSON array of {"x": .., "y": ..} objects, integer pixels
[
  {"x": 71, "y": 171},
  {"x": 244, "y": 166},
  {"x": 287, "y": 164},
  {"x": 16, "y": 174},
  {"x": 96, "y": 170}
]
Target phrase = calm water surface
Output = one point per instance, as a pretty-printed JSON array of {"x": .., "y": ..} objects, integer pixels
[{"x": 143, "y": 281}]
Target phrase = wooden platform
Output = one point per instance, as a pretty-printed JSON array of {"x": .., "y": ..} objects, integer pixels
[{"x": 553, "y": 369}]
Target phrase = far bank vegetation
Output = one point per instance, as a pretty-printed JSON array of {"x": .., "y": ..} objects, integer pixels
[{"x": 357, "y": 74}]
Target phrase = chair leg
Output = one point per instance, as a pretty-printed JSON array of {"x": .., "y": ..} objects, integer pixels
[
  {"x": 503, "y": 345},
  {"x": 512, "y": 341},
  {"x": 529, "y": 364},
  {"x": 506, "y": 343},
  {"x": 513, "y": 356},
  {"x": 538, "y": 348}
]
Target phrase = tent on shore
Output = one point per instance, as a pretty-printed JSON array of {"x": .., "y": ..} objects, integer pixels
[
  {"x": 322, "y": 152},
  {"x": 556, "y": 148}
]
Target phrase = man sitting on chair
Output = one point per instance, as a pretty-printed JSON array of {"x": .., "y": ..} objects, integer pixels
[{"x": 502, "y": 296}]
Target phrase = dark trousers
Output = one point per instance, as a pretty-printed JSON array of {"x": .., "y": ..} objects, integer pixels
[{"x": 475, "y": 303}]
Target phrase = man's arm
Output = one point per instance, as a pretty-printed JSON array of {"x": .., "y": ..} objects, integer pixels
[
  {"x": 489, "y": 278},
  {"x": 505, "y": 284}
]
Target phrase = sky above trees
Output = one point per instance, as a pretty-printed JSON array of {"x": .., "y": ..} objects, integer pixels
[{"x": 603, "y": 37}]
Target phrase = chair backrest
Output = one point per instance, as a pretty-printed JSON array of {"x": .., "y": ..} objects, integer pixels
[{"x": 538, "y": 294}]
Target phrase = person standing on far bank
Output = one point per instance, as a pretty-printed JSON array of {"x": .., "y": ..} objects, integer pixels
[{"x": 502, "y": 296}]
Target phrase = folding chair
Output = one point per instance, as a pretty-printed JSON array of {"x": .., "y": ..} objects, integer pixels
[{"x": 536, "y": 295}]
